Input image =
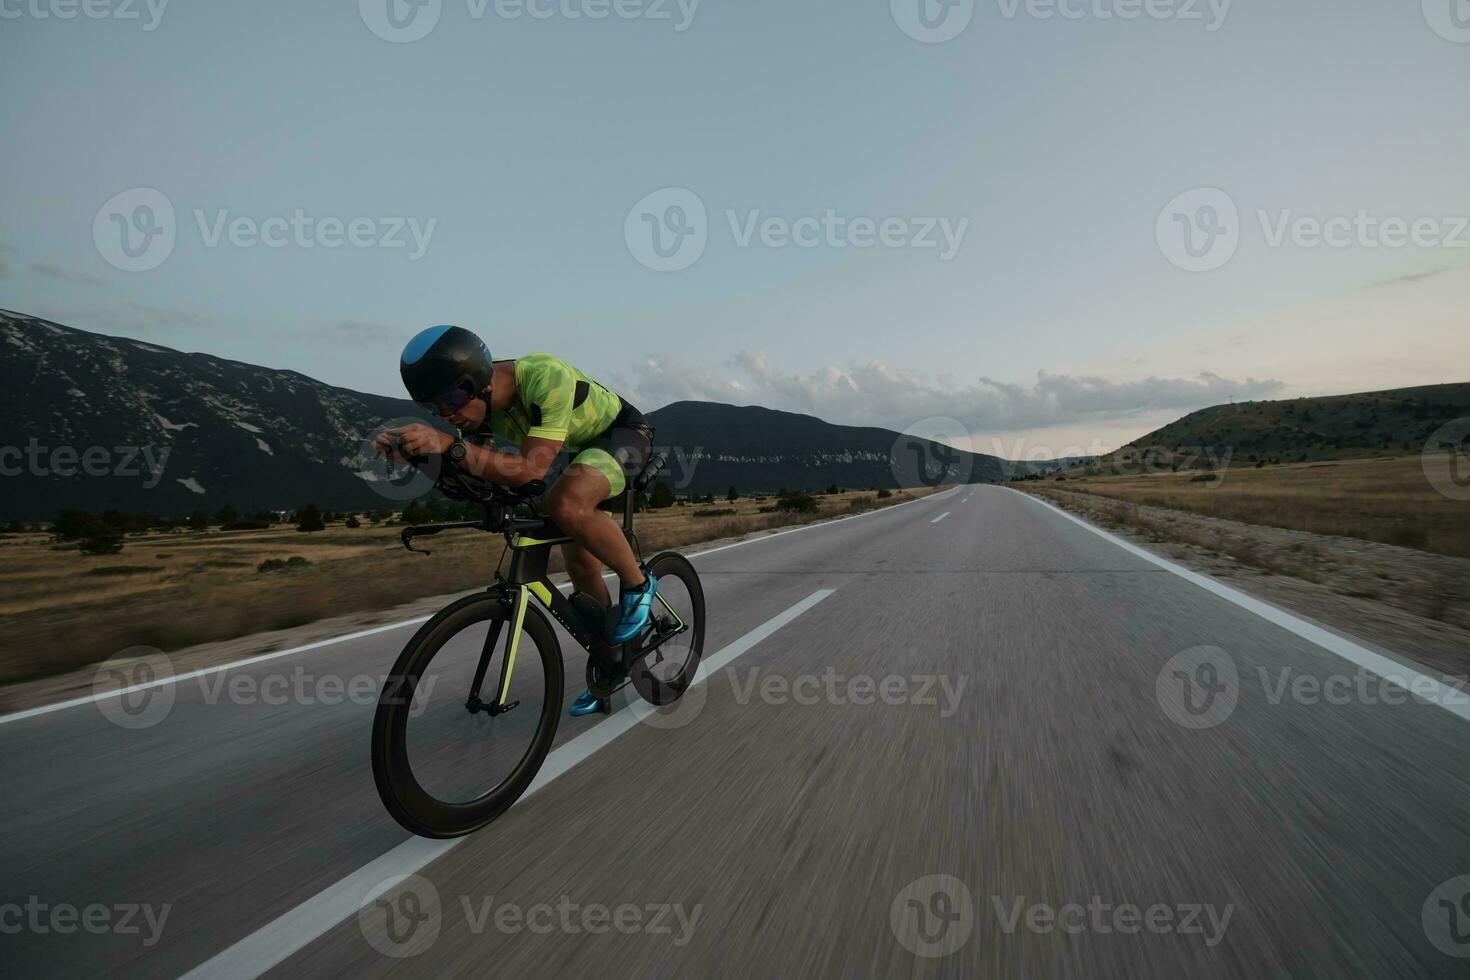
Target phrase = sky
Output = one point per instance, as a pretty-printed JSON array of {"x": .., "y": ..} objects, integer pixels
[{"x": 1032, "y": 227}]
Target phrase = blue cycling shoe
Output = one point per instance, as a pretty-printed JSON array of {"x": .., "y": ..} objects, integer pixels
[
  {"x": 635, "y": 604},
  {"x": 586, "y": 704}
]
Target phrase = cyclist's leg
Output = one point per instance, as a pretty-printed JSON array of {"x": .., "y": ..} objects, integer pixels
[
  {"x": 585, "y": 571},
  {"x": 573, "y": 505}
]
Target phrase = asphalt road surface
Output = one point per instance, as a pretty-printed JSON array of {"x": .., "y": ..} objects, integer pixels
[{"x": 963, "y": 737}]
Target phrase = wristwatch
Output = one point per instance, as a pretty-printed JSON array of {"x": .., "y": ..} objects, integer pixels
[{"x": 456, "y": 451}]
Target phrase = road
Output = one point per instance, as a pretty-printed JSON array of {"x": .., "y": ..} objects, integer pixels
[{"x": 1112, "y": 770}]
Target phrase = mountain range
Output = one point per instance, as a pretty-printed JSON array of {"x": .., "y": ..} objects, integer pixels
[{"x": 96, "y": 422}]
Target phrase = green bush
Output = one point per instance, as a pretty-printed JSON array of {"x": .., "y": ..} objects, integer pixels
[
  {"x": 797, "y": 502},
  {"x": 277, "y": 565}
]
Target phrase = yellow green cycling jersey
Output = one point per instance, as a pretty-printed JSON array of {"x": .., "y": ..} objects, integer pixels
[{"x": 556, "y": 402}]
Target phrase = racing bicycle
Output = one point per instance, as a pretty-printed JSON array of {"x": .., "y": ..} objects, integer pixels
[{"x": 451, "y": 754}]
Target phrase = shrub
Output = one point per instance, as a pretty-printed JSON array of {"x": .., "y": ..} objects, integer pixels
[
  {"x": 124, "y": 569},
  {"x": 718, "y": 512},
  {"x": 277, "y": 565},
  {"x": 884, "y": 494},
  {"x": 797, "y": 502},
  {"x": 100, "y": 540},
  {"x": 352, "y": 521},
  {"x": 310, "y": 519}
]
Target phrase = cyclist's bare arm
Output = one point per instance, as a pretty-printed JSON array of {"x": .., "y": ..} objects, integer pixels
[{"x": 512, "y": 469}]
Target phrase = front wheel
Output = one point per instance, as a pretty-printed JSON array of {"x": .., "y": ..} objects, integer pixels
[
  {"x": 462, "y": 727},
  {"x": 662, "y": 675}
]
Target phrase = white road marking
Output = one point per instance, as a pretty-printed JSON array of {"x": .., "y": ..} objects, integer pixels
[
  {"x": 940, "y": 517},
  {"x": 1420, "y": 685},
  {"x": 276, "y": 941},
  {"x": 46, "y": 709}
]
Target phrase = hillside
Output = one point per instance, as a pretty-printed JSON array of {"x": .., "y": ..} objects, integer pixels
[
  {"x": 753, "y": 448},
  {"x": 1295, "y": 430},
  {"x": 101, "y": 423}
]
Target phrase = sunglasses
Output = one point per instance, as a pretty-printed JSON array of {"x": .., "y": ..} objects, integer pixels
[{"x": 448, "y": 403}]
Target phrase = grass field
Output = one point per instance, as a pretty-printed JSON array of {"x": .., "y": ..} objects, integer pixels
[
  {"x": 1387, "y": 499},
  {"x": 60, "y": 609}
]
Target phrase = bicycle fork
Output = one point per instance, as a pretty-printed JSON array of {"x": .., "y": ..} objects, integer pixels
[{"x": 499, "y": 705}]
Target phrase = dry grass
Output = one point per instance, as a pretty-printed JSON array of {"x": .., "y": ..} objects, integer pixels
[
  {"x": 60, "y": 609},
  {"x": 1390, "y": 500}
]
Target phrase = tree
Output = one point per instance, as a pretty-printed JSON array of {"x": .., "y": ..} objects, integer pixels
[
  {"x": 72, "y": 524},
  {"x": 662, "y": 496},
  {"x": 733, "y": 495},
  {"x": 309, "y": 518},
  {"x": 797, "y": 502},
  {"x": 100, "y": 539},
  {"x": 227, "y": 515},
  {"x": 199, "y": 521},
  {"x": 833, "y": 490},
  {"x": 352, "y": 521}
]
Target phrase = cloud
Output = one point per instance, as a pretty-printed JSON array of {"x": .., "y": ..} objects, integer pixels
[
  {"x": 368, "y": 330},
  {"x": 56, "y": 272},
  {"x": 875, "y": 394}
]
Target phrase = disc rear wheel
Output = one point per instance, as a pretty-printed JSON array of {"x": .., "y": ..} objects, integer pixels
[{"x": 662, "y": 675}]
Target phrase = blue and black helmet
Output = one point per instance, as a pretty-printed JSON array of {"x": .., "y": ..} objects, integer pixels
[{"x": 442, "y": 360}]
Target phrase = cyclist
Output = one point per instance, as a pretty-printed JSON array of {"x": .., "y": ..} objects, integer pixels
[{"x": 541, "y": 405}]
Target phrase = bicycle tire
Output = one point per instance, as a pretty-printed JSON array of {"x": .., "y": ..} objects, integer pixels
[
  {"x": 415, "y": 809},
  {"x": 671, "y": 565}
]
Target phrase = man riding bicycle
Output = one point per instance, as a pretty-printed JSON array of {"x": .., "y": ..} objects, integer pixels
[{"x": 541, "y": 405}]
